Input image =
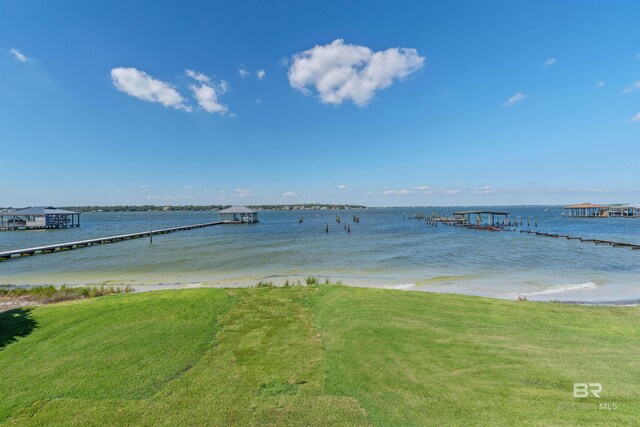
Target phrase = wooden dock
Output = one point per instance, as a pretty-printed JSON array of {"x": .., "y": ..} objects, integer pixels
[
  {"x": 596, "y": 241},
  {"x": 101, "y": 240}
]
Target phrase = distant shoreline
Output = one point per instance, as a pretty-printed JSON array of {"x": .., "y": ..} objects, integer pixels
[{"x": 203, "y": 208}]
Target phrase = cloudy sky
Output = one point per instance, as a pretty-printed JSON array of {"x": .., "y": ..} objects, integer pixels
[{"x": 377, "y": 103}]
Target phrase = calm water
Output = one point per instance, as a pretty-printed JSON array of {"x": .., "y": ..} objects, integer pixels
[{"x": 382, "y": 250}]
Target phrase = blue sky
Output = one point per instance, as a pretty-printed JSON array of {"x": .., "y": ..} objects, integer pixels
[{"x": 378, "y": 103}]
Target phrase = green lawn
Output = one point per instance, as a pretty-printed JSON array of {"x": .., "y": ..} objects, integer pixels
[{"x": 318, "y": 355}]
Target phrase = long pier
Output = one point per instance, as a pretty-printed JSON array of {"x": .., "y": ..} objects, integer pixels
[
  {"x": 596, "y": 241},
  {"x": 100, "y": 240}
]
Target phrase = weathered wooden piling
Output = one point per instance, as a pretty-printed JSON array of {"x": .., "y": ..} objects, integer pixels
[{"x": 595, "y": 241}]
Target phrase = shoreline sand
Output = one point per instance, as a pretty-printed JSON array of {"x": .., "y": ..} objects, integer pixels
[{"x": 278, "y": 281}]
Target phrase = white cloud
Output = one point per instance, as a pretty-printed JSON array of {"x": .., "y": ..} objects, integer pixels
[
  {"x": 261, "y": 74},
  {"x": 243, "y": 192},
  {"x": 197, "y": 76},
  {"x": 402, "y": 192},
  {"x": 600, "y": 84},
  {"x": 635, "y": 118},
  {"x": 207, "y": 99},
  {"x": 340, "y": 72},
  {"x": 284, "y": 62},
  {"x": 633, "y": 86},
  {"x": 424, "y": 189},
  {"x": 142, "y": 86},
  {"x": 452, "y": 192},
  {"x": 243, "y": 72},
  {"x": 342, "y": 187},
  {"x": 515, "y": 99},
  {"x": 19, "y": 55},
  {"x": 206, "y": 93},
  {"x": 289, "y": 194},
  {"x": 485, "y": 190},
  {"x": 549, "y": 62}
]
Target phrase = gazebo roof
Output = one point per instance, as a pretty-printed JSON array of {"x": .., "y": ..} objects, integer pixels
[
  {"x": 585, "y": 205},
  {"x": 40, "y": 210},
  {"x": 237, "y": 210}
]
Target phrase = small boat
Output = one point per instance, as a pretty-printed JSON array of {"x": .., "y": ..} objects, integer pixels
[{"x": 301, "y": 220}]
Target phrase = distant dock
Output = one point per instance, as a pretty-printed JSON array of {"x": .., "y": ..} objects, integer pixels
[
  {"x": 37, "y": 218},
  {"x": 102, "y": 240},
  {"x": 495, "y": 220},
  {"x": 590, "y": 210}
]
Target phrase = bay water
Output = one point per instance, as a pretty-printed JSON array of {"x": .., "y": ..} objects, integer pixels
[{"x": 384, "y": 250}]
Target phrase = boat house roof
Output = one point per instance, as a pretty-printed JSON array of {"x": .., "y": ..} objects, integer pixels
[
  {"x": 237, "y": 210},
  {"x": 39, "y": 210},
  {"x": 480, "y": 212},
  {"x": 631, "y": 206},
  {"x": 585, "y": 205}
]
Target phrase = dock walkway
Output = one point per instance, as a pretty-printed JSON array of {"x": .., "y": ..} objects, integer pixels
[{"x": 101, "y": 240}]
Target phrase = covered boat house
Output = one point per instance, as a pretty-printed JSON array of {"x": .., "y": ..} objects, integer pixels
[
  {"x": 586, "y": 210},
  {"x": 238, "y": 215},
  {"x": 475, "y": 219},
  {"x": 38, "y": 217},
  {"x": 625, "y": 211}
]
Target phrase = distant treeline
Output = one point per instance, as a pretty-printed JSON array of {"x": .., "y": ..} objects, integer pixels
[
  {"x": 142, "y": 208},
  {"x": 154, "y": 208}
]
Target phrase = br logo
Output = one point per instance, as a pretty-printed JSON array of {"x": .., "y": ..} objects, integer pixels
[{"x": 582, "y": 390}]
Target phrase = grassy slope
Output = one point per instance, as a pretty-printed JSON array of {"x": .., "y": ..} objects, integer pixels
[
  {"x": 266, "y": 364},
  {"x": 249, "y": 356},
  {"x": 430, "y": 359},
  {"x": 108, "y": 348}
]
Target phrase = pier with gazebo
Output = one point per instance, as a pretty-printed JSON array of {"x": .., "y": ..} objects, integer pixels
[
  {"x": 238, "y": 215},
  {"x": 585, "y": 210}
]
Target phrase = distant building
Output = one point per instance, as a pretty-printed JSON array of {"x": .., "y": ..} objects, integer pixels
[
  {"x": 590, "y": 210},
  {"x": 625, "y": 211},
  {"x": 38, "y": 217},
  {"x": 238, "y": 215}
]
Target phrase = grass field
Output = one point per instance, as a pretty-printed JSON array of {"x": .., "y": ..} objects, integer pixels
[{"x": 316, "y": 355}]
